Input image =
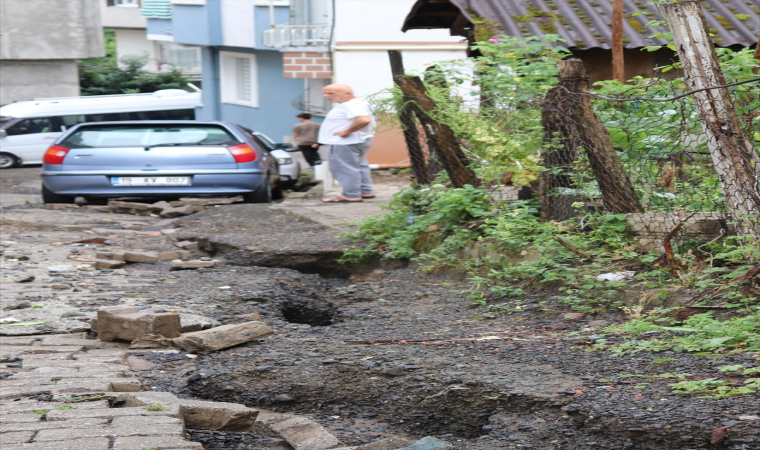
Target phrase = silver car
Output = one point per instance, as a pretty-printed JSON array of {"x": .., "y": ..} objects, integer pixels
[{"x": 159, "y": 159}]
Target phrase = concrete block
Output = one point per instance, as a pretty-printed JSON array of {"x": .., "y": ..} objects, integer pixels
[
  {"x": 303, "y": 433},
  {"x": 217, "y": 416},
  {"x": 107, "y": 413},
  {"x": 141, "y": 257},
  {"x": 178, "y": 264},
  {"x": 144, "y": 421},
  {"x": 222, "y": 337},
  {"x": 111, "y": 256},
  {"x": 154, "y": 442},
  {"x": 194, "y": 322},
  {"x": 106, "y": 264},
  {"x": 73, "y": 444},
  {"x": 188, "y": 245},
  {"x": 16, "y": 437},
  {"x": 129, "y": 324},
  {"x": 176, "y": 212}
]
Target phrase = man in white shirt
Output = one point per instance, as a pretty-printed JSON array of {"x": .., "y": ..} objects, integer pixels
[{"x": 348, "y": 129}]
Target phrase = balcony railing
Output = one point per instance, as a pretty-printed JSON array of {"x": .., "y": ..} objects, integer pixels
[{"x": 282, "y": 36}]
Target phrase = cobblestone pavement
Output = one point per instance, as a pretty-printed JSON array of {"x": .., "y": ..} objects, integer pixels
[{"x": 61, "y": 389}]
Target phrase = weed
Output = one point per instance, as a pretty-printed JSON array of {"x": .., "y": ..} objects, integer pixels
[
  {"x": 38, "y": 411},
  {"x": 67, "y": 407},
  {"x": 157, "y": 407}
]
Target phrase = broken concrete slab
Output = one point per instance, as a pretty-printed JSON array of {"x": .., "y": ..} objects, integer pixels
[
  {"x": 303, "y": 433},
  {"x": 187, "y": 245},
  {"x": 178, "y": 264},
  {"x": 111, "y": 256},
  {"x": 176, "y": 212},
  {"x": 222, "y": 337},
  {"x": 141, "y": 257},
  {"x": 129, "y": 324},
  {"x": 217, "y": 416},
  {"x": 107, "y": 264},
  {"x": 195, "y": 322}
]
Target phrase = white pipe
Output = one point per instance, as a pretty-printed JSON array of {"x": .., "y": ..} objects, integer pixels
[
  {"x": 271, "y": 13},
  {"x": 382, "y": 48}
]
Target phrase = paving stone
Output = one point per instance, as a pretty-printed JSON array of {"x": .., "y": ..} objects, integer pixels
[
  {"x": 18, "y": 340},
  {"x": 165, "y": 429},
  {"x": 141, "y": 421},
  {"x": 106, "y": 413},
  {"x": 178, "y": 264},
  {"x": 129, "y": 324},
  {"x": 85, "y": 343},
  {"x": 141, "y": 257},
  {"x": 106, "y": 264},
  {"x": 222, "y": 337},
  {"x": 217, "y": 416},
  {"x": 44, "y": 349},
  {"x": 73, "y": 444},
  {"x": 19, "y": 421},
  {"x": 154, "y": 442},
  {"x": 111, "y": 256},
  {"x": 7, "y": 425},
  {"x": 15, "y": 437},
  {"x": 303, "y": 433},
  {"x": 110, "y": 231}
]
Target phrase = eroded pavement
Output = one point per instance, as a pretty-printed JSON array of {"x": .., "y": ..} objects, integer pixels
[{"x": 369, "y": 353}]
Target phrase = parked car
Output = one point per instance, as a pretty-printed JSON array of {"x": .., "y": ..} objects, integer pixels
[
  {"x": 27, "y": 128},
  {"x": 159, "y": 159},
  {"x": 290, "y": 168}
]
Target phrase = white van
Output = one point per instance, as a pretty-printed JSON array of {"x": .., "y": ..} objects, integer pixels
[{"x": 28, "y": 128}]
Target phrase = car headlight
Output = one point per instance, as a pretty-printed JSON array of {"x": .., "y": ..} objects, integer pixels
[{"x": 285, "y": 160}]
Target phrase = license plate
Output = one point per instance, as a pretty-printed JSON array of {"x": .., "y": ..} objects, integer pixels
[{"x": 150, "y": 181}]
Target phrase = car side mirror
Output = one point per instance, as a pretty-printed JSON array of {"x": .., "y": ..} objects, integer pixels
[
  {"x": 285, "y": 146},
  {"x": 3, "y": 133}
]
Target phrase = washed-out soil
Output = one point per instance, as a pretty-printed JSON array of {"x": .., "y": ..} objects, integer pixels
[{"x": 402, "y": 353}]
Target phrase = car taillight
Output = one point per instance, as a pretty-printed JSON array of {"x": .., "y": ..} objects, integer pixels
[
  {"x": 55, "y": 154},
  {"x": 242, "y": 153}
]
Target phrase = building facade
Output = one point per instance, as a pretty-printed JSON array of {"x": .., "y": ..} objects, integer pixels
[
  {"x": 242, "y": 80},
  {"x": 41, "y": 41}
]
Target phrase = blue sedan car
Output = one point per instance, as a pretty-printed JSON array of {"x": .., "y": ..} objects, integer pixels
[{"x": 159, "y": 159}]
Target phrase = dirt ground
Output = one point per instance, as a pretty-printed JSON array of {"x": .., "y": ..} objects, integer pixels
[{"x": 373, "y": 351}]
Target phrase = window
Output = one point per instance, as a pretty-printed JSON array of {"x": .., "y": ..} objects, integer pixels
[
  {"x": 129, "y": 3},
  {"x": 239, "y": 81},
  {"x": 182, "y": 57},
  {"x": 30, "y": 126}
]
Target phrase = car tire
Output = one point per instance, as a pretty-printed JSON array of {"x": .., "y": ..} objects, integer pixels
[
  {"x": 277, "y": 191},
  {"x": 8, "y": 161},
  {"x": 261, "y": 195},
  {"x": 49, "y": 196}
]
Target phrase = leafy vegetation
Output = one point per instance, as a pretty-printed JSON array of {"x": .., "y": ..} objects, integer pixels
[
  {"x": 157, "y": 407},
  {"x": 107, "y": 75},
  {"x": 515, "y": 261}
]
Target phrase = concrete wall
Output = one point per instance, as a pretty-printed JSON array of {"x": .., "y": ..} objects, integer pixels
[
  {"x": 274, "y": 116},
  {"x": 50, "y": 29},
  {"x": 121, "y": 16},
  {"x": 638, "y": 62},
  {"x": 198, "y": 25},
  {"x": 25, "y": 80}
]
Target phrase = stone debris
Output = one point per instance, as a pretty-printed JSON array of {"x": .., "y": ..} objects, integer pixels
[
  {"x": 170, "y": 255},
  {"x": 150, "y": 341},
  {"x": 222, "y": 337},
  {"x": 162, "y": 208},
  {"x": 217, "y": 416},
  {"x": 25, "y": 279},
  {"x": 106, "y": 264},
  {"x": 428, "y": 443},
  {"x": 176, "y": 212},
  {"x": 141, "y": 257},
  {"x": 178, "y": 264},
  {"x": 385, "y": 444},
  {"x": 114, "y": 255},
  {"x": 128, "y": 324},
  {"x": 303, "y": 433},
  {"x": 195, "y": 322},
  {"x": 188, "y": 245},
  {"x": 16, "y": 256}
]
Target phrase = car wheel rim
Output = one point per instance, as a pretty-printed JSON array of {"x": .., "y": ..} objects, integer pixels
[{"x": 5, "y": 161}]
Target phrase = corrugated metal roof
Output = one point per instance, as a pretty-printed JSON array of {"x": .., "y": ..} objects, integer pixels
[{"x": 584, "y": 23}]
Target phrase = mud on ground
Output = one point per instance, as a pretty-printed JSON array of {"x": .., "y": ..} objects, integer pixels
[{"x": 396, "y": 352}]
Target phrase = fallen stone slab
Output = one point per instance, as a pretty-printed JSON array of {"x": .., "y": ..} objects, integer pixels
[
  {"x": 178, "y": 264},
  {"x": 222, "y": 337},
  {"x": 150, "y": 341},
  {"x": 176, "y": 212},
  {"x": 111, "y": 256},
  {"x": 217, "y": 416},
  {"x": 106, "y": 264},
  {"x": 303, "y": 433},
  {"x": 141, "y": 257},
  {"x": 129, "y": 324},
  {"x": 195, "y": 322},
  {"x": 188, "y": 245}
]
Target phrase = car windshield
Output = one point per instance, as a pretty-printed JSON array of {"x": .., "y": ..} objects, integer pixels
[{"x": 148, "y": 136}]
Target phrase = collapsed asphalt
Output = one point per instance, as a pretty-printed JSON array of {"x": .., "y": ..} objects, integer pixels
[{"x": 401, "y": 355}]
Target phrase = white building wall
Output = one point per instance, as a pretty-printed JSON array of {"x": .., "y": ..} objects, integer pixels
[
  {"x": 135, "y": 42},
  {"x": 238, "y": 23},
  {"x": 121, "y": 16}
]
